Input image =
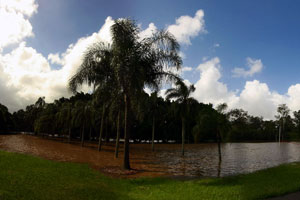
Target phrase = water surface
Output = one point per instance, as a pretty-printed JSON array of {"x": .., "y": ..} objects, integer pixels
[{"x": 200, "y": 160}]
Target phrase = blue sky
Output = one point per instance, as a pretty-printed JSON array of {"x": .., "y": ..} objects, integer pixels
[{"x": 234, "y": 31}]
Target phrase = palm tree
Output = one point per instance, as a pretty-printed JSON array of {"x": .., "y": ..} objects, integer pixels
[
  {"x": 153, "y": 108},
  {"x": 115, "y": 113},
  {"x": 128, "y": 65},
  {"x": 221, "y": 125},
  {"x": 182, "y": 93},
  {"x": 79, "y": 117},
  {"x": 64, "y": 118}
]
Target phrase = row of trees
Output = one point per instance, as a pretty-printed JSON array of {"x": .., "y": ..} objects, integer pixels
[
  {"x": 83, "y": 116},
  {"x": 119, "y": 108}
]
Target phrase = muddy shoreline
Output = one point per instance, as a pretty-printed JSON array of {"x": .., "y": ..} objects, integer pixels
[{"x": 59, "y": 149}]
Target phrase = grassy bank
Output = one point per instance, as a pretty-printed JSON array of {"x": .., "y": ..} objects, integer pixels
[{"x": 28, "y": 177}]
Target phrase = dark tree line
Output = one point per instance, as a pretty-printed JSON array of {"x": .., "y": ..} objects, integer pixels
[{"x": 81, "y": 115}]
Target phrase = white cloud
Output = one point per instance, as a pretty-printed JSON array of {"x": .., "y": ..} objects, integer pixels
[
  {"x": 187, "y": 69},
  {"x": 208, "y": 88},
  {"x": 25, "y": 7},
  {"x": 14, "y": 22},
  {"x": 26, "y": 74},
  {"x": 216, "y": 45},
  {"x": 55, "y": 59},
  {"x": 255, "y": 66},
  {"x": 255, "y": 97},
  {"x": 148, "y": 31},
  {"x": 258, "y": 100},
  {"x": 187, "y": 27}
]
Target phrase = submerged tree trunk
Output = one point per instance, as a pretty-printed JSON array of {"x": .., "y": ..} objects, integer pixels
[
  {"x": 153, "y": 131},
  {"x": 101, "y": 128},
  {"x": 283, "y": 129},
  {"x": 219, "y": 145},
  {"x": 82, "y": 136},
  {"x": 279, "y": 135},
  {"x": 126, "y": 163},
  {"x": 219, "y": 168},
  {"x": 118, "y": 135},
  {"x": 183, "y": 134}
]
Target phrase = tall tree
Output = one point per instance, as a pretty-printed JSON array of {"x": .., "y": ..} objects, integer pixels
[
  {"x": 283, "y": 113},
  {"x": 128, "y": 65},
  {"x": 154, "y": 108},
  {"x": 182, "y": 93}
]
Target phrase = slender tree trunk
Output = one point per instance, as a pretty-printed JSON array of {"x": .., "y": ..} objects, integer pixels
[
  {"x": 90, "y": 137},
  {"x": 153, "y": 131},
  {"x": 126, "y": 163},
  {"x": 69, "y": 135},
  {"x": 219, "y": 168},
  {"x": 279, "y": 133},
  {"x": 118, "y": 135},
  {"x": 219, "y": 145},
  {"x": 283, "y": 129},
  {"x": 106, "y": 132},
  {"x": 82, "y": 136},
  {"x": 101, "y": 128},
  {"x": 183, "y": 134}
]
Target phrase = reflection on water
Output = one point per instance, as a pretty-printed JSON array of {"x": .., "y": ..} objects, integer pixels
[
  {"x": 237, "y": 158},
  {"x": 199, "y": 160}
]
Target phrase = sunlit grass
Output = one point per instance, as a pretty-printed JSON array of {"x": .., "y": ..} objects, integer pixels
[{"x": 28, "y": 177}]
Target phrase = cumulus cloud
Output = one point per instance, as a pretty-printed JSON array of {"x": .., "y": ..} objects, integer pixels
[
  {"x": 187, "y": 27},
  {"x": 55, "y": 59},
  {"x": 25, "y": 7},
  {"x": 148, "y": 31},
  {"x": 14, "y": 21},
  {"x": 255, "y": 66},
  {"x": 209, "y": 89},
  {"x": 255, "y": 97},
  {"x": 26, "y": 74}
]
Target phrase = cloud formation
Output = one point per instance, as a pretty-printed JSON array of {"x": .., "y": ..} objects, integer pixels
[
  {"x": 14, "y": 17},
  {"x": 255, "y": 66},
  {"x": 255, "y": 97},
  {"x": 27, "y": 75},
  {"x": 187, "y": 27}
]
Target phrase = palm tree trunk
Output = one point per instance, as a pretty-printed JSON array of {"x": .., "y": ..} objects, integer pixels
[
  {"x": 126, "y": 163},
  {"x": 118, "y": 135},
  {"x": 101, "y": 128},
  {"x": 183, "y": 134},
  {"x": 153, "y": 130},
  {"x": 82, "y": 136},
  {"x": 69, "y": 135}
]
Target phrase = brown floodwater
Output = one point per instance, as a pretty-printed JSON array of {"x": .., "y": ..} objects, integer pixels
[{"x": 200, "y": 160}]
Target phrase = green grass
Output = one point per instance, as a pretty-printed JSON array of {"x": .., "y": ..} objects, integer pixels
[{"x": 28, "y": 177}]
